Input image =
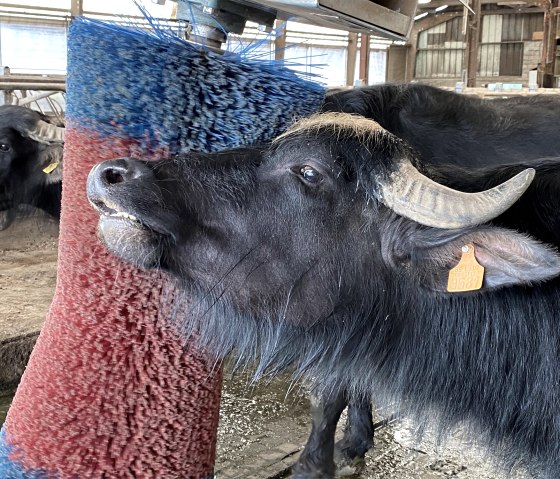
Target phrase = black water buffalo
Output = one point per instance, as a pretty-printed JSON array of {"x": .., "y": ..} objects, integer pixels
[
  {"x": 329, "y": 252},
  {"x": 30, "y": 162},
  {"x": 446, "y": 127}
]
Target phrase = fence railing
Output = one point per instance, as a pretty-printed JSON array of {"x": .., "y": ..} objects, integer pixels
[{"x": 44, "y": 93}]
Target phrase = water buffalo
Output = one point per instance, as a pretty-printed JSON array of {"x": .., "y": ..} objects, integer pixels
[
  {"x": 30, "y": 162},
  {"x": 446, "y": 127},
  {"x": 329, "y": 252}
]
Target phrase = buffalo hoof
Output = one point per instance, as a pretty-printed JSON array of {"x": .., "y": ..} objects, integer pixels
[
  {"x": 311, "y": 475},
  {"x": 6, "y": 218},
  {"x": 313, "y": 470},
  {"x": 351, "y": 468},
  {"x": 348, "y": 462}
]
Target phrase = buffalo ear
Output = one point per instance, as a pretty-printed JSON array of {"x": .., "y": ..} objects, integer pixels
[{"x": 508, "y": 257}]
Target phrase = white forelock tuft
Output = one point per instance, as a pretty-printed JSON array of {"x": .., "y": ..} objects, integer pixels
[{"x": 338, "y": 123}]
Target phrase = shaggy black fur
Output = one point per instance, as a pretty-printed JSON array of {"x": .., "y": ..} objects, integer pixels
[
  {"x": 22, "y": 159},
  {"x": 312, "y": 272},
  {"x": 446, "y": 127}
]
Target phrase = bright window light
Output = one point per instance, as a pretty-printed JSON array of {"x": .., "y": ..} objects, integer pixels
[
  {"x": 443, "y": 7},
  {"x": 422, "y": 15}
]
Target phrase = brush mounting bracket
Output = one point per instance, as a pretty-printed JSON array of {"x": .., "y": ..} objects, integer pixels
[{"x": 388, "y": 18}]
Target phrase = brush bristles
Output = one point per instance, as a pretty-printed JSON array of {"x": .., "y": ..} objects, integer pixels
[{"x": 212, "y": 101}]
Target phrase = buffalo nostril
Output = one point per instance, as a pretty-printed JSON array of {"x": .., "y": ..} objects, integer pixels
[
  {"x": 122, "y": 170},
  {"x": 112, "y": 176}
]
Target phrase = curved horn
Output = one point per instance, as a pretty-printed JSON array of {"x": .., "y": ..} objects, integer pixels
[
  {"x": 411, "y": 194},
  {"x": 46, "y": 133}
]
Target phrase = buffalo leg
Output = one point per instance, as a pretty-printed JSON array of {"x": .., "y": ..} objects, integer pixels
[
  {"x": 317, "y": 459},
  {"x": 358, "y": 436}
]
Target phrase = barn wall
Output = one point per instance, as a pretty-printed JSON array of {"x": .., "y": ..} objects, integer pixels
[
  {"x": 396, "y": 63},
  {"x": 39, "y": 46},
  {"x": 489, "y": 54},
  {"x": 532, "y": 56},
  {"x": 440, "y": 51},
  {"x": 507, "y": 51},
  {"x": 28, "y": 47}
]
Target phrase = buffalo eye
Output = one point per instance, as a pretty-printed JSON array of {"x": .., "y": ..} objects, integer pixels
[
  {"x": 4, "y": 147},
  {"x": 310, "y": 175}
]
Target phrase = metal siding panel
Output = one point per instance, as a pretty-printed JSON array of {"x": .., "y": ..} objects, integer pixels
[
  {"x": 490, "y": 60},
  {"x": 534, "y": 22},
  {"x": 423, "y": 40},
  {"x": 491, "y": 28},
  {"x": 439, "y": 53},
  {"x": 511, "y": 59}
]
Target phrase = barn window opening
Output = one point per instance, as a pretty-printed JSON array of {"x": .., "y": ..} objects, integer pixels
[
  {"x": 440, "y": 51},
  {"x": 503, "y": 41},
  {"x": 507, "y": 47}
]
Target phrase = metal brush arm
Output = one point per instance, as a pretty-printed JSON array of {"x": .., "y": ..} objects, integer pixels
[{"x": 214, "y": 19}]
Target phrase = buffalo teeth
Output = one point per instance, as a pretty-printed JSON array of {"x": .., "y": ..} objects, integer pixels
[{"x": 121, "y": 214}]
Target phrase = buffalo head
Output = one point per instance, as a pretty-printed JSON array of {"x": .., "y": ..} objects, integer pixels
[
  {"x": 323, "y": 221},
  {"x": 30, "y": 158}
]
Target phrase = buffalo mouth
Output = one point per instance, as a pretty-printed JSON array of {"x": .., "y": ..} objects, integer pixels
[
  {"x": 107, "y": 211},
  {"x": 129, "y": 236},
  {"x": 148, "y": 220}
]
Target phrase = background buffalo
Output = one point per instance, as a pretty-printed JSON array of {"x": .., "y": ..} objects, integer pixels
[
  {"x": 30, "y": 162},
  {"x": 458, "y": 129}
]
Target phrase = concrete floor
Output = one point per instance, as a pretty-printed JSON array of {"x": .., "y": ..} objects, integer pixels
[{"x": 263, "y": 429}]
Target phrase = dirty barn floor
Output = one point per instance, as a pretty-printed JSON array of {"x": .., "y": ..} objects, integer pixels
[{"x": 263, "y": 428}]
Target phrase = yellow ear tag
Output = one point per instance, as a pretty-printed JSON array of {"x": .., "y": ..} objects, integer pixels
[
  {"x": 49, "y": 169},
  {"x": 468, "y": 274}
]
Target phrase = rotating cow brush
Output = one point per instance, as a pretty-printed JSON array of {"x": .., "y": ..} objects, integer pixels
[{"x": 111, "y": 391}]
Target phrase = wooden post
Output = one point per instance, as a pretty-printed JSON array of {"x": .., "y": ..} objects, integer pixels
[
  {"x": 545, "y": 43},
  {"x": 8, "y": 94},
  {"x": 548, "y": 53},
  {"x": 473, "y": 33},
  {"x": 280, "y": 40},
  {"x": 77, "y": 8},
  {"x": 351, "y": 59},
  {"x": 364, "y": 58}
]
